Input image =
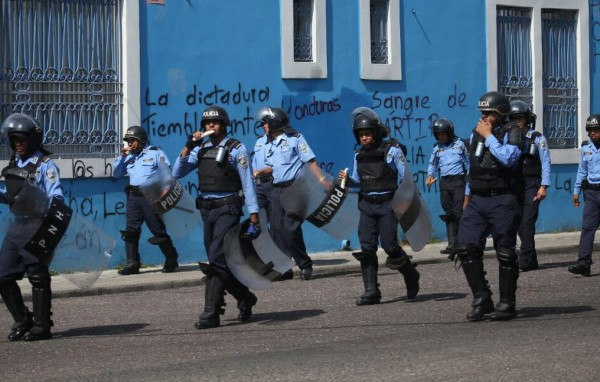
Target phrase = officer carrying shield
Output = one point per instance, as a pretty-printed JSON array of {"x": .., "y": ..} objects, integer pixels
[
  {"x": 263, "y": 177},
  {"x": 140, "y": 160},
  {"x": 495, "y": 150},
  {"x": 451, "y": 158},
  {"x": 29, "y": 163},
  {"x": 588, "y": 180},
  {"x": 287, "y": 153},
  {"x": 225, "y": 182},
  {"x": 379, "y": 167},
  {"x": 535, "y": 179}
]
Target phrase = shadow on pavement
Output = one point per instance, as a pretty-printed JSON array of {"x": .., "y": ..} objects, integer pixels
[
  {"x": 277, "y": 318},
  {"x": 428, "y": 297},
  {"x": 532, "y": 311},
  {"x": 107, "y": 330}
]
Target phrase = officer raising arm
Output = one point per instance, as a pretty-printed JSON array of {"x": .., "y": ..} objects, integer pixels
[
  {"x": 29, "y": 163},
  {"x": 379, "y": 167},
  {"x": 141, "y": 161},
  {"x": 588, "y": 180},
  {"x": 225, "y": 181},
  {"x": 495, "y": 149}
]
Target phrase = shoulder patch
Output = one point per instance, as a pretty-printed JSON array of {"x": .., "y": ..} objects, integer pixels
[
  {"x": 243, "y": 161},
  {"x": 51, "y": 175},
  {"x": 304, "y": 148}
]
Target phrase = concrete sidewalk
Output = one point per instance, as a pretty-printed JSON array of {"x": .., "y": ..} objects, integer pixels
[{"x": 326, "y": 264}]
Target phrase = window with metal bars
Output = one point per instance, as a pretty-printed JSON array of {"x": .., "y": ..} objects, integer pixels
[
  {"x": 303, "y": 19},
  {"x": 379, "y": 31},
  {"x": 60, "y": 62}
]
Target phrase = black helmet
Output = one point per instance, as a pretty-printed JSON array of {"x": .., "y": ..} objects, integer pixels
[
  {"x": 136, "y": 132},
  {"x": 593, "y": 121},
  {"x": 442, "y": 125},
  {"x": 21, "y": 124},
  {"x": 276, "y": 117},
  {"x": 494, "y": 101},
  {"x": 212, "y": 113},
  {"x": 364, "y": 118},
  {"x": 518, "y": 107}
]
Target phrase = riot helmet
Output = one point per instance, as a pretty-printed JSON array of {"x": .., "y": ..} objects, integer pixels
[
  {"x": 215, "y": 113},
  {"x": 593, "y": 122},
  {"x": 363, "y": 118},
  {"x": 518, "y": 107},
  {"x": 136, "y": 132},
  {"x": 23, "y": 125},
  {"x": 494, "y": 101},
  {"x": 276, "y": 117},
  {"x": 442, "y": 125}
]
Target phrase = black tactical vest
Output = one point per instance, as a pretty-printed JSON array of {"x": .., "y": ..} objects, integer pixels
[
  {"x": 531, "y": 164},
  {"x": 374, "y": 173},
  {"x": 15, "y": 176},
  {"x": 487, "y": 173},
  {"x": 218, "y": 177}
]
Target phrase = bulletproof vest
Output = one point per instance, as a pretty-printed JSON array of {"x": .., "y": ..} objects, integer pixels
[
  {"x": 530, "y": 163},
  {"x": 15, "y": 176},
  {"x": 218, "y": 177},
  {"x": 374, "y": 173},
  {"x": 487, "y": 173}
]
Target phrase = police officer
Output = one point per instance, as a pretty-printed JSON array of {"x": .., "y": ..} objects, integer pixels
[
  {"x": 378, "y": 169},
  {"x": 263, "y": 178},
  {"x": 450, "y": 157},
  {"x": 287, "y": 153},
  {"x": 224, "y": 182},
  {"x": 495, "y": 149},
  {"x": 140, "y": 160},
  {"x": 29, "y": 163},
  {"x": 535, "y": 171},
  {"x": 588, "y": 180}
]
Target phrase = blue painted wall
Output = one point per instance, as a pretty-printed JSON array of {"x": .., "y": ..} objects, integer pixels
[{"x": 199, "y": 52}]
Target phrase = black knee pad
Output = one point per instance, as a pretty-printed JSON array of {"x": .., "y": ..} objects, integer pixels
[
  {"x": 364, "y": 255},
  {"x": 130, "y": 236},
  {"x": 466, "y": 252},
  {"x": 38, "y": 275},
  {"x": 506, "y": 256},
  {"x": 159, "y": 239}
]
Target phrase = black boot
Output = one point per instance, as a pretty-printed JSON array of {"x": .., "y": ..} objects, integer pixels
[
  {"x": 451, "y": 232},
  {"x": 42, "y": 310},
  {"x": 368, "y": 267},
  {"x": 580, "y": 269},
  {"x": 505, "y": 309},
  {"x": 482, "y": 296},
  {"x": 213, "y": 303},
  {"x": 245, "y": 299},
  {"x": 171, "y": 256},
  {"x": 13, "y": 299},
  {"x": 408, "y": 271},
  {"x": 131, "y": 253}
]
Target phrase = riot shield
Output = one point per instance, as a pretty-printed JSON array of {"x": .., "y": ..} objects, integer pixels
[
  {"x": 66, "y": 242},
  {"x": 255, "y": 263},
  {"x": 319, "y": 198},
  {"x": 171, "y": 202},
  {"x": 412, "y": 213}
]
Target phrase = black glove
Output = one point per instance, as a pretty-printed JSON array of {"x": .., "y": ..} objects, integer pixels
[{"x": 191, "y": 143}]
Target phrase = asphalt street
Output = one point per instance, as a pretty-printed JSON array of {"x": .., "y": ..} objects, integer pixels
[{"x": 308, "y": 331}]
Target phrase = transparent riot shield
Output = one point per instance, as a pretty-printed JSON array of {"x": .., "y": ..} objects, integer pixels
[
  {"x": 255, "y": 263},
  {"x": 320, "y": 199},
  {"x": 171, "y": 202},
  {"x": 66, "y": 242},
  {"x": 412, "y": 213}
]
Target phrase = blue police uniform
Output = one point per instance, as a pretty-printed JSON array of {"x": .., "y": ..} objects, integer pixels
[
  {"x": 140, "y": 167},
  {"x": 377, "y": 219},
  {"x": 224, "y": 185},
  {"x": 492, "y": 208},
  {"x": 286, "y": 154},
  {"x": 588, "y": 181},
  {"x": 264, "y": 184},
  {"x": 535, "y": 169},
  {"x": 452, "y": 161},
  {"x": 15, "y": 261}
]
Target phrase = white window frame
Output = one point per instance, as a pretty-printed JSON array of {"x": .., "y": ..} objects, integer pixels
[
  {"x": 131, "y": 109},
  {"x": 559, "y": 156},
  {"x": 318, "y": 67},
  {"x": 392, "y": 71}
]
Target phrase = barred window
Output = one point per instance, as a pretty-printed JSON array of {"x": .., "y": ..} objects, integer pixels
[
  {"x": 303, "y": 19},
  {"x": 60, "y": 62},
  {"x": 379, "y": 31}
]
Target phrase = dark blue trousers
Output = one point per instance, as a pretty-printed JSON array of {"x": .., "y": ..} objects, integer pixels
[
  {"x": 140, "y": 211},
  {"x": 217, "y": 221},
  {"x": 264, "y": 196},
  {"x": 529, "y": 211},
  {"x": 591, "y": 221},
  {"x": 378, "y": 222},
  {"x": 452, "y": 194}
]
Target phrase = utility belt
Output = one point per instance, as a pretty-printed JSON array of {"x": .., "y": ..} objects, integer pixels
[
  {"x": 451, "y": 177},
  {"x": 210, "y": 204},
  {"x": 263, "y": 179},
  {"x": 133, "y": 190},
  {"x": 589, "y": 186},
  {"x": 491, "y": 192},
  {"x": 377, "y": 199},
  {"x": 284, "y": 184}
]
